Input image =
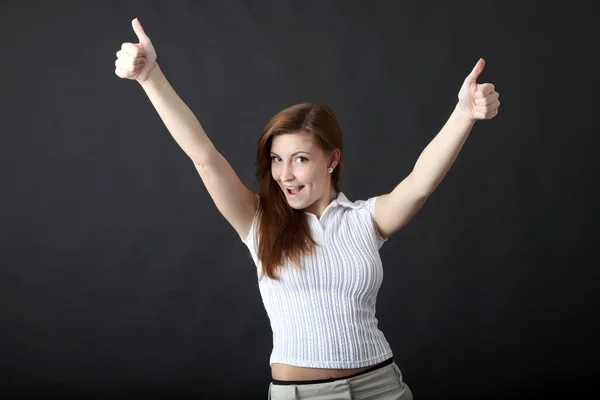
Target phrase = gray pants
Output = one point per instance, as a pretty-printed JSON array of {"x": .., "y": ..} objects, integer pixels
[{"x": 382, "y": 384}]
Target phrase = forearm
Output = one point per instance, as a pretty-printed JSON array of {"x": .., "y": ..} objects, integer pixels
[
  {"x": 178, "y": 118},
  {"x": 439, "y": 155}
]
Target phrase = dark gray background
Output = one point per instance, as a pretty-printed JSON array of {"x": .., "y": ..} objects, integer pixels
[{"x": 119, "y": 278}]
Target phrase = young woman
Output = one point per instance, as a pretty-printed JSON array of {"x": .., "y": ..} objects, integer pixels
[{"x": 316, "y": 252}]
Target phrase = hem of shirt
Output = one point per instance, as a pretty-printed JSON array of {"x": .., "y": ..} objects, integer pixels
[{"x": 332, "y": 364}]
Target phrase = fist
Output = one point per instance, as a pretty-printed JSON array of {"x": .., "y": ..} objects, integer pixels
[
  {"x": 136, "y": 60},
  {"x": 478, "y": 101}
]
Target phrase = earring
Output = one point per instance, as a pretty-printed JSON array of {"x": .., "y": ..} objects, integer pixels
[{"x": 330, "y": 170}]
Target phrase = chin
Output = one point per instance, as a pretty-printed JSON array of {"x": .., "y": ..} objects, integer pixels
[{"x": 297, "y": 204}]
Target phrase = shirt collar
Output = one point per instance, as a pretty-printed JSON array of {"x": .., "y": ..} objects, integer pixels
[
  {"x": 343, "y": 201},
  {"x": 340, "y": 200}
]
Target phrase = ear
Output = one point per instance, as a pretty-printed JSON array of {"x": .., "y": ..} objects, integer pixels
[{"x": 334, "y": 158}]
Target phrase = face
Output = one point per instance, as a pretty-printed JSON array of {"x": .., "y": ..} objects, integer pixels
[{"x": 299, "y": 166}]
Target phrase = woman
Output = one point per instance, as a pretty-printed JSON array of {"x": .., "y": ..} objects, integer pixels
[{"x": 317, "y": 253}]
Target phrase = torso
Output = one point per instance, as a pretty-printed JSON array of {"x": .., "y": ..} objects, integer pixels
[
  {"x": 345, "y": 279},
  {"x": 284, "y": 372}
]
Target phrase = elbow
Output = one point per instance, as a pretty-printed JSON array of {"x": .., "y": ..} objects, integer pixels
[
  {"x": 422, "y": 188},
  {"x": 205, "y": 159}
]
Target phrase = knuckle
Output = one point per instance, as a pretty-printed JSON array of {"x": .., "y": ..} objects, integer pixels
[{"x": 130, "y": 48}]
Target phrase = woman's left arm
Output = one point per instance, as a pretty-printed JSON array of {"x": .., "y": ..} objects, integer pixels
[{"x": 475, "y": 101}]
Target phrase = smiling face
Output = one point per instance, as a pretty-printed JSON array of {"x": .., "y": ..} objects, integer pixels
[{"x": 299, "y": 166}]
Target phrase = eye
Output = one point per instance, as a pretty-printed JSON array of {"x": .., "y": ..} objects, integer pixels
[
  {"x": 302, "y": 158},
  {"x": 275, "y": 158}
]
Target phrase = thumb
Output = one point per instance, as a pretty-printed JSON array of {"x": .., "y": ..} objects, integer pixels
[
  {"x": 139, "y": 32},
  {"x": 472, "y": 78}
]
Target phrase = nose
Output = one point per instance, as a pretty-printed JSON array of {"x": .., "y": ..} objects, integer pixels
[{"x": 287, "y": 174}]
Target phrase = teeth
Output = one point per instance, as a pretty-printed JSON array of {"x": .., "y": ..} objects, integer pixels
[{"x": 294, "y": 189}]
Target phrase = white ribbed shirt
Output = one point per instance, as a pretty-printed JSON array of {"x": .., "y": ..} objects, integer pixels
[{"x": 323, "y": 314}]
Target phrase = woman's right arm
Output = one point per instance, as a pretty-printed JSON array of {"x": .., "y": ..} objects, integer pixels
[{"x": 233, "y": 199}]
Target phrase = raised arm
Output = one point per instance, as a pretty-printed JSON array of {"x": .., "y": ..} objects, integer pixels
[
  {"x": 475, "y": 101},
  {"x": 137, "y": 61}
]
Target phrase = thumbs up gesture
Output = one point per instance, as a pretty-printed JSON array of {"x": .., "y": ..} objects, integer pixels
[
  {"x": 136, "y": 60},
  {"x": 478, "y": 101}
]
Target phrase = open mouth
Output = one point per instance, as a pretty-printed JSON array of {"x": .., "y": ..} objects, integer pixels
[{"x": 294, "y": 190}]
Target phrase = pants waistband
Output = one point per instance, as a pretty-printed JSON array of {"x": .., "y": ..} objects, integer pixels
[{"x": 309, "y": 382}]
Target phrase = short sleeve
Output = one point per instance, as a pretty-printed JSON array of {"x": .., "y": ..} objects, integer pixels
[
  {"x": 370, "y": 205},
  {"x": 249, "y": 239}
]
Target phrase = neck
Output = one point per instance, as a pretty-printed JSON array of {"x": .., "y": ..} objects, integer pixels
[{"x": 319, "y": 206}]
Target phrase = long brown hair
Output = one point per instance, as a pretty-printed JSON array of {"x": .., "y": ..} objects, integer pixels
[{"x": 283, "y": 233}]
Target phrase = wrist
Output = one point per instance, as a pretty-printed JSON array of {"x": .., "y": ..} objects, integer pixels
[
  {"x": 152, "y": 77},
  {"x": 463, "y": 116}
]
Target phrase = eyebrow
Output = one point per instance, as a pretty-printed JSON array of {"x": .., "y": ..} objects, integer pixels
[{"x": 298, "y": 152}]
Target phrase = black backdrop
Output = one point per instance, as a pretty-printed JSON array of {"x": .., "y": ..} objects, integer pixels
[{"x": 119, "y": 278}]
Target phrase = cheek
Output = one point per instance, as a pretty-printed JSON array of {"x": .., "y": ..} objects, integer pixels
[
  {"x": 314, "y": 175},
  {"x": 274, "y": 173}
]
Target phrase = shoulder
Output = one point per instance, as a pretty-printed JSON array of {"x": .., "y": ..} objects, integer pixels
[
  {"x": 248, "y": 239},
  {"x": 362, "y": 214},
  {"x": 363, "y": 205}
]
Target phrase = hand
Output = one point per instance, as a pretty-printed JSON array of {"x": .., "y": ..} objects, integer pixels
[
  {"x": 135, "y": 61},
  {"x": 478, "y": 101}
]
